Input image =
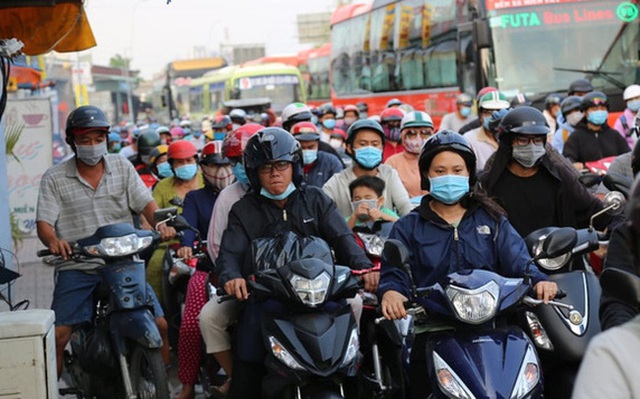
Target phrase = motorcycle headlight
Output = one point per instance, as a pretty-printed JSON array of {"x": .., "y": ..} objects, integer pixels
[
  {"x": 283, "y": 355},
  {"x": 474, "y": 306},
  {"x": 448, "y": 381},
  {"x": 528, "y": 376},
  {"x": 312, "y": 292},
  {"x": 119, "y": 246},
  {"x": 551, "y": 264},
  {"x": 352, "y": 348}
]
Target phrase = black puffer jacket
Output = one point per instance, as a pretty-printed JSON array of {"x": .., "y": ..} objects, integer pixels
[
  {"x": 308, "y": 212},
  {"x": 586, "y": 145},
  {"x": 623, "y": 253}
]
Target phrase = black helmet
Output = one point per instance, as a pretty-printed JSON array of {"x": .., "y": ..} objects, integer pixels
[
  {"x": 148, "y": 139},
  {"x": 362, "y": 106},
  {"x": 552, "y": 99},
  {"x": 364, "y": 124},
  {"x": 580, "y": 86},
  {"x": 635, "y": 159},
  {"x": 446, "y": 140},
  {"x": 520, "y": 100},
  {"x": 569, "y": 104},
  {"x": 294, "y": 113},
  {"x": 83, "y": 117},
  {"x": 522, "y": 120},
  {"x": 593, "y": 99},
  {"x": 272, "y": 144},
  {"x": 327, "y": 109}
]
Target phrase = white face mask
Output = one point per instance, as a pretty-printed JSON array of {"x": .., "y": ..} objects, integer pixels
[
  {"x": 91, "y": 154},
  {"x": 574, "y": 118},
  {"x": 335, "y": 143}
]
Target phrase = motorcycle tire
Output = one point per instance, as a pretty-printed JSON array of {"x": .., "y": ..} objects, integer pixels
[{"x": 148, "y": 375}]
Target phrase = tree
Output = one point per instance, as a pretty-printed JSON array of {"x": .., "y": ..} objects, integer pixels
[{"x": 118, "y": 61}]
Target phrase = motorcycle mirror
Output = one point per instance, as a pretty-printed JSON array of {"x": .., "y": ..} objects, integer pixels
[
  {"x": 177, "y": 201},
  {"x": 558, "y": 242},
  {"x": 590, "y": 179},
  {"x": 623, "y": 285},
  {"x": 395, "y": 253},
  {"x": 164, "y": 214},
  {"x": 178, "y": 222},
  {"x": 615, "y": 201}
]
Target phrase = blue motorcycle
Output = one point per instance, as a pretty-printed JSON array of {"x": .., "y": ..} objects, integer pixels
[
  {"x": 117, "y": 354},
  {"x": 473, "y": 347}
]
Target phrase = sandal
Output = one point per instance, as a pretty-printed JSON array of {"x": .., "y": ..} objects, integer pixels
[{"x": 221, "y": 391}]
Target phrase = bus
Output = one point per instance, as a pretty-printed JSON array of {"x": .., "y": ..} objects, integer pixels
[
  {"x": 282, "y": 84},
  {"x": 317, "y": 71},
  {"x": 426, "y": 52}
]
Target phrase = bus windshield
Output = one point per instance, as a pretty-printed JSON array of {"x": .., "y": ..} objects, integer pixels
[
  {"x": 281, "y": 89},
  {"x": 539, "y": 49}
]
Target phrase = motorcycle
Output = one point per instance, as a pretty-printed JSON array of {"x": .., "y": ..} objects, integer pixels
[
  {"x": 473, "y": 349},
  {"x": 561, "y": 336},
  {"x": 312, "y": 347},
  {"x": 117, "y": 354}
]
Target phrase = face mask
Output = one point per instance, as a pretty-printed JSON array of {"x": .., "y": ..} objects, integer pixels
[
  {"x": 91, "y": 154},
  {"x": 597, "y": 117},
  {"x": 373, "y": 204},
  {"x": 335, "y": 143},
  {"x": 218, "y": 176},
  {"x": 349, "y": 121},
  {"x": 219, "y": 136},
  {"x": 186, "y": 172},
  {"x": 528, "y": 155},
  {"x": 574, "y": 118},
  {"x": 634, "y": 105},
  {"x": 558, "y": 113},
  {"x": 197, "y": 134},
  {"x": 279, "y": 197},
  {"x": 329, "y": 123},
  {"x": 116, "y": 148},
  {"x": 368, "y": 157},
  {"x": 413, "y": 145},
  {"x": 309, "y": 156},
  {"x": 485, "y": 123},
  {"x": 164, "y": 170},
  {"x": 465, "y": 111},
  {"x": 240, "y": 173},
  {"x": 448, "y": 189},
  {"x": 164, "y": 142},
  {"x": 392, "y": 133}
]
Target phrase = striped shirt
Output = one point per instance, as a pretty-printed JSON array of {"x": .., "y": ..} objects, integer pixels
[{"x": 75, "y": 209}]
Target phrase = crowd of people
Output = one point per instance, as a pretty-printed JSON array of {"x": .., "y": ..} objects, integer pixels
[{"x": 502, "y": 173}]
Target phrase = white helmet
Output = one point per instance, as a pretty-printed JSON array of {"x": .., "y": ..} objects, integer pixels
[
  {"x": 416, "y": 119},
  {"x": 630, "y": 92}
]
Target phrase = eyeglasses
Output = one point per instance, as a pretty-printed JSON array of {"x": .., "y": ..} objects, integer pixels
[
  {"x": 523, "y": 140},
  {"x": 269, "y": 167},
  {"x": 424, "y": 133}
]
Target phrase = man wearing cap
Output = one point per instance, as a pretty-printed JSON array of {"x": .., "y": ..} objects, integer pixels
[
  {"x": 319, "y": 166},
  {"x": 415, "y": 128},
  {"x": 461, "y": 116},
  {"x": 482, "y": 139}
]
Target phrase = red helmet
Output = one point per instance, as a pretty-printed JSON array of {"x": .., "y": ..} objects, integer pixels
[
  {"x": 182, "y": 149},
  {"x": 235, "y": 142},
  {"x": 391, "y": 114},
  {"x": 222, "y": 122},
  {"x": 351, "y": 108},
  {"x": 305, "y": 131},
  {"x": 211, "y": 155}
]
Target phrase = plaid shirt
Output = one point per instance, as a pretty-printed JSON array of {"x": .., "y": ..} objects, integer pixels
[{"x": 67, "y": 202}]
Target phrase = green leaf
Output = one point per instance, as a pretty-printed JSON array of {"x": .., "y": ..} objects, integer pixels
[{"x": 11, "y": 138}]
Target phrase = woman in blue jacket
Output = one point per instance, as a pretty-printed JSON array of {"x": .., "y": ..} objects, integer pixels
[{"x": 453, "y": 229}]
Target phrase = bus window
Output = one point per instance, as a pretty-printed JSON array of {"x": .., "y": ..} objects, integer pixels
[
  {"x": 196, "y": 103},
  {"x": 383, "y": 59}
]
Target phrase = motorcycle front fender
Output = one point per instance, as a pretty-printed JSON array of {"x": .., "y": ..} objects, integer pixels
[{"x": 138, "y": 325}]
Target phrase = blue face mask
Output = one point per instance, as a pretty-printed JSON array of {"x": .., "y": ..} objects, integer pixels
[
  {"x": 485, "y": 123},
  {"x": 309, "y": 156},
  {"x": 164, "y": 170},
  {"x": 219, "y": 135},
  {"x": 186, "y": 172},
  {"x": 634, "y": 105},
  {"x": 597, "y": 117},
  {"x": 448, "y": 189},
  {"x": 368, "y": 157},
  {"x": 240, "y": 173},
  {"x": 465, "y": 111},
  {"x": 197, "y": 134},
  {"x": 279, "y": 197},
  {"x": 329, "y": 123}
]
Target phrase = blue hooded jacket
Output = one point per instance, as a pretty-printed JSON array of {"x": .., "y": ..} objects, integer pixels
[{"x": 437, "y": 249}]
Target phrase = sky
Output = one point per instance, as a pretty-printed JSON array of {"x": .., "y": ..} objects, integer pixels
[{"x": 152, "y": 33}]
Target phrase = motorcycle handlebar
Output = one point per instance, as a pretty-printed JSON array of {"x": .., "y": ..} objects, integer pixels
[{"x": 44, "y": 252}]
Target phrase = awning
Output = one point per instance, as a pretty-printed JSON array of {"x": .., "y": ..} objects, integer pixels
[{"x": 44, "y": 26}]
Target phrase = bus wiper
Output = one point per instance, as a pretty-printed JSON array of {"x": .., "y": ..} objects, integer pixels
[{"x": 603, "y": 74}]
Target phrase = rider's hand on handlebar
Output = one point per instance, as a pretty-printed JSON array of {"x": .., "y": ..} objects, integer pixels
[
  {"x": 393, "y": 305},
  {"x": 166, "y": 232},
  {"x": 237, "y": 287},
  {"x": 371, "y": 281},
  {"x": 546, "y": 290},
  {"x": 185, "y": 253},
  {"x": 61, "y": 248}
]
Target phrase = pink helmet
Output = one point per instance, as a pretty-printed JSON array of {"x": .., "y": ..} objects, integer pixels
[{"x": 177, "y": 132}]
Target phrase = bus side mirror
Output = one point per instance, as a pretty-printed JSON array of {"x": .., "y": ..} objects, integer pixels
[{"x": 482, "y": 33}]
